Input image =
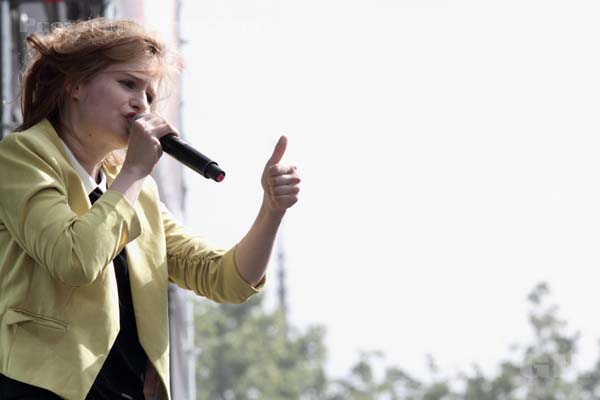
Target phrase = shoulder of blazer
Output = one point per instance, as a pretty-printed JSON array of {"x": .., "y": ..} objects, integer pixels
[{"x": 41, "y": 140}]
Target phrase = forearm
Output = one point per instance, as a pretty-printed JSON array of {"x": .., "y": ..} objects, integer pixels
[
  {"x": 254, "y": 250},
  {"x": 280, "y": 185}
]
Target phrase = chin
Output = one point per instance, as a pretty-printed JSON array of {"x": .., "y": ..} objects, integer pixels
[{"x": 123, "y": 138}]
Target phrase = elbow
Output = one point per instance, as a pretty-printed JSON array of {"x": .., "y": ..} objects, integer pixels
[
  {"x": 72, "y": 278},
  {"x": 222, "y": 299},
  {"x": 228, "y": 295},
  {"x": 238, "y": 300},
  {"x": 72, "y": 263},
  {"x": 74, "y": 273}
]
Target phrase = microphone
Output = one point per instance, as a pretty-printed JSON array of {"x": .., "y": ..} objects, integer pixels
[{"x": 187, "y": 155}]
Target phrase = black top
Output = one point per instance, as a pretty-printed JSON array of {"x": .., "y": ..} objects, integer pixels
[{"x": 122, "y": 375}]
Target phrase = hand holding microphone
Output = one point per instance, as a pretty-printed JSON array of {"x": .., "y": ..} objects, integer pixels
[
  {"x": 147, "y": 132},
  {"x": 171, "y": 144}
]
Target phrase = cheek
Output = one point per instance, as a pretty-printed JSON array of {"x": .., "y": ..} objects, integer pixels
[
  {"x": 104, "y": 96},
  {"x": 102, "y": 110}
]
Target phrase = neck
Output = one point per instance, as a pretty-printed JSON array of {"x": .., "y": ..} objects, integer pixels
[{"x": 88, "y": 156}]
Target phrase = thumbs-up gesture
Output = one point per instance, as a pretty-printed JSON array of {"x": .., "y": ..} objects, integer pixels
[{"x": 281, "y": 183}]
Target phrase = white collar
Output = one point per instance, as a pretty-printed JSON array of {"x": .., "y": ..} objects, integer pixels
[{"x": 88, "y": 182}]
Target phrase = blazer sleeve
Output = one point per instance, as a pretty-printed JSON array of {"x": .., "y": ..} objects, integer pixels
[
  {"x": 75, "y": 249},
  {"x": 208, "y": 271}
]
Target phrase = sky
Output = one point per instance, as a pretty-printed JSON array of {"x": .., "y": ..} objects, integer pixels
[{"x": 449, "y": 157}]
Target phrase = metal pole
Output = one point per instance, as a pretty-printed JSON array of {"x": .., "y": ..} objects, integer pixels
[
  {"x": 282, "y": 289},
  {"x": 189, "y": 349}
]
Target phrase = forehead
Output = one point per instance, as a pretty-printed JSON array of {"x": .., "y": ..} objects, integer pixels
[{"x": 143, "y": 70}]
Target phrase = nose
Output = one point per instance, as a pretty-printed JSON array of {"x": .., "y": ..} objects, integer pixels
[{"x": 139, "y": 102}]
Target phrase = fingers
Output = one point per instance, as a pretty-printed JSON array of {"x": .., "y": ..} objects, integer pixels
[
  {"x": 152, "y": 124},
  {"x": 285, "y": 190},
  {"x": 158, "y": 150},
  {"x": 279, "y": 151},
  {"x": 287, "y": 179},
  {"x": 144, "y": 148},
  {"x": 134, "y": 118},
  {"x": 282, "y": 185},
  {"x": 281, "y": 170}
]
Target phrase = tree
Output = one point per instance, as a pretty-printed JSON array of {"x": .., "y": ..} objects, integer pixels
[{"x": 246, "y": 354}]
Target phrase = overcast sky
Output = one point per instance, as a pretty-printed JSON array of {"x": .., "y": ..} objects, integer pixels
[{"x": 449, "y": 156}]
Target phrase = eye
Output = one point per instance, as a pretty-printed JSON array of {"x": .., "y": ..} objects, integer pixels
[
  {"x": 128, "y": 83},
  {"x": 149, "y": 98}
]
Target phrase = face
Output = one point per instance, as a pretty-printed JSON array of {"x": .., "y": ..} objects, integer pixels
[{"x": 104, "y": 104}]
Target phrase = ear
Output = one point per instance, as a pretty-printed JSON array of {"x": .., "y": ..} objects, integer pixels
[{"x": 73, "y": 90}]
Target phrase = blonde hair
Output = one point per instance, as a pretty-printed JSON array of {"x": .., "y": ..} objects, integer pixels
[{"x": 75, "y": 53}]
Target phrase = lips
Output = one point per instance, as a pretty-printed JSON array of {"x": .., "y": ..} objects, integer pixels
[{"x": 129, "y": 117}]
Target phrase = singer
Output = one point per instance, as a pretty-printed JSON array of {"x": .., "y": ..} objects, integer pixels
[{"x": 86, "y": 249}]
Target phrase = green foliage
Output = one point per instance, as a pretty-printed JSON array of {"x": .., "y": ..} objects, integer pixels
[{"x": 248, "y": 353}]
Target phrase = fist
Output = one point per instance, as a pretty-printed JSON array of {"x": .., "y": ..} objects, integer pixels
[
  {"x": 144, "y": 148},
  {"x": 281, "y": 183}
]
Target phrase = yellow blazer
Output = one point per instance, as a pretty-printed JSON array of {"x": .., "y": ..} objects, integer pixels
[{"x": 59, "y": 310}]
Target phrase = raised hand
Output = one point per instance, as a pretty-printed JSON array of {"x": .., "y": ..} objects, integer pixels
[{"x": 281, "y": 183}]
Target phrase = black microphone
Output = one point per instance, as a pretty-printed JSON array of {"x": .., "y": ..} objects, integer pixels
[{"x": 187, "y": 155}]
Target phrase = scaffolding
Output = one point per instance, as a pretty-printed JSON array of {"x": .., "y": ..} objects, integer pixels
[{"x": 18, "y": 19}]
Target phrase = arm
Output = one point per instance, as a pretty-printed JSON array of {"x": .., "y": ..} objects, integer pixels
[
  {"x": 196, "y": 265},
  {"x": 37, "y": 199},
  {"x": 75, "y": 248},
  {"x": 143, "y": 152},
  {"x": 281, "y": 187},
  {"x": 234, "y": 275}
]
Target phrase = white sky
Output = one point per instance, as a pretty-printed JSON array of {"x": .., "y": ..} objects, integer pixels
[{"x": 449, "y": 156}]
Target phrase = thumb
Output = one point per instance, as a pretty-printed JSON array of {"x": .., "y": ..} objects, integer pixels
[{"x": 278, "y": 151}]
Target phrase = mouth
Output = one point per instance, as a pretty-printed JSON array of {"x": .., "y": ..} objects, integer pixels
[{"x": 129, "y": 119}]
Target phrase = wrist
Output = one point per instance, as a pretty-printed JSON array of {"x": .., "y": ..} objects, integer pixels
[
  {"x": 132, "y": 172},
  {"x": 270, "y": 212},
  {"x": 129, "y": 183}
]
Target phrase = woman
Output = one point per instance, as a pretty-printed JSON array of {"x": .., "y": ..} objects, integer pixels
[{"x": 86, "y": 250}]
